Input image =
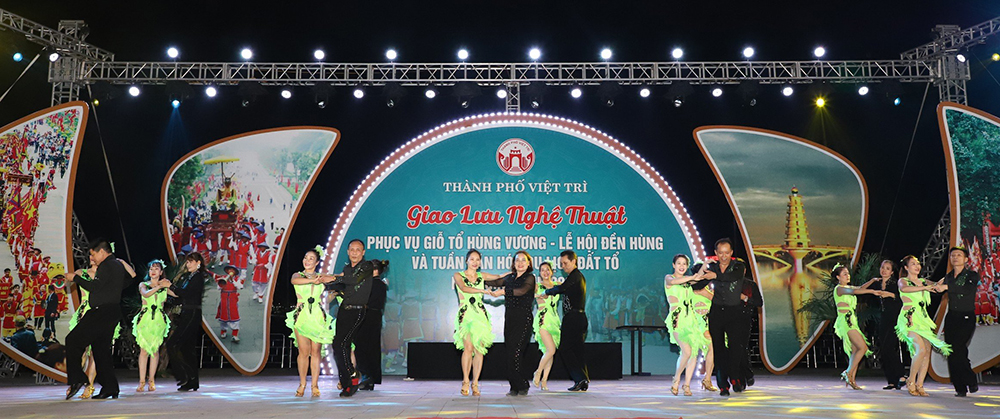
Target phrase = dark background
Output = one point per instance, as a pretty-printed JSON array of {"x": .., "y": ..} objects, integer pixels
[{"x": 144, "y": 136}]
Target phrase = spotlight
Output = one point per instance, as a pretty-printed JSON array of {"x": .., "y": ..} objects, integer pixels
[
  {"x": 96, "y": 102},
  {"x": 960, "y": 58},
  {"x": 787, "y": 90},
  {"x": 863, "y": 90},
  {"x": 678, "y": 91},
  {"x": 535, "y": 103},
  {"x": 178, "y": 90},
  {"x": 134, "y": 91},
  {"x": 175, "y": 103},
  {"x": 430, "y": 93},
  {"x": 748, "y": 52},
  {"x": 321, "y": 94},
  {"x": 211, "y": 91},
  {"x": 896, "y": 101},
  {"x": 534, "y": 93},
  {"x": 319, "y": 54},
  {"x": 393, "y": 92},
  {"x": 464, "y": 104},
  {"x": 820, "y": 102},
  {"x": 248, "y": 91},
  {"x": 18, "y": 57},
  {"x": 502, "y": 93},
  {"x": 995, "y": 57},
  {"x": 748, "y": 91},
  {"x": 535, "y": 54},
  {"x": 644, "y": 92},
  {"x": 576, "y": 92},
  {"x": 608, "y": 91},
  {"x": 53, "y": 56},
  {"x": 465, "y": 91},
  {"x": 391, "y": 54},
  {"x": 246, "y": 53},
  {"x": 677, "y": 53},
  {"x": 819, "y": 52},
  {"x": 717, "y": 91},
  {"x": 606, "y": 54},
  {"x": 321, "y": 104},
  {"x": 287, "y": 94},
  {"x": 463, "y": 54},
  {"x": 172, "y": 52},
  {"x": 359, "y": 93},
  {"x": 678, "y": 102}
]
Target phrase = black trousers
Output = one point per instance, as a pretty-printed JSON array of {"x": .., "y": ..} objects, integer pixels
[
  {"x": 958, "y": 330},
  {"x": 349, "y": 322},
  {"x": 182, "y": 346},
  {"x": 516, "y": 334},
  {"x": 50, "y": 323},
  {"x": 96, "y": 329},
  {"x": 888, "y": 349},
  {"x": 731, "y": 321},
  {"x": 368, "y": 342},
  {"x": 571, "y": 345}
]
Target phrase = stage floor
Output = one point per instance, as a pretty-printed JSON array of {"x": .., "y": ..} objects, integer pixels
[{"x": 226, "y": 395}]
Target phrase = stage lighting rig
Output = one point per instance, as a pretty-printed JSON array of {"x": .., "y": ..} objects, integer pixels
[
  {"x": 178, "y": 91},
  {"x": 134, "y": 91},
  {"x": 576, "y": 92},
  {"x": 249, "y": 91},
  {"x": 678, "y": 92},
  {"x": 534, "y": 93},
  {"x": 321, "y": 94},
  {"x": 608, "y": 91},
  {"x": 748, "y": 90},
  {"x": 677, "y": 53},
  {"x": 465, "y": 91},
  {"x": 103, "y": 91},
  {"x": 393, "y": 92}
]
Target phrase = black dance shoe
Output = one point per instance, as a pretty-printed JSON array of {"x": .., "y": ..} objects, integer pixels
[
  {"x": 724, "y": 392},
  {"x": 973, "y": 388},
  {"x": 188, "y": 386},
  {"x": 891, "y": 387},
  {"x": 959, "y": 394},
  {"x": 73, "y": 389},
  {"x": 103, "y": 395},
  {"x": 349, "y": 391},
  {"x": 581, "y": 386},
  {"x": 750, "y": 382},
  {"x": 368, "y": 387},
  {"x": 514, "y": 393}
]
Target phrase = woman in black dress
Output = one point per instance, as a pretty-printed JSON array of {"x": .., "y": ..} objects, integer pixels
[
  {"x": 518, "y": 290},
  {"x": 182, "y": 344},
  {"x": 888, "y": 348}
]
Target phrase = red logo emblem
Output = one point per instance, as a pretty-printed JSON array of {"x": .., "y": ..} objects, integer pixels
[{"x": 515, "y": 157}]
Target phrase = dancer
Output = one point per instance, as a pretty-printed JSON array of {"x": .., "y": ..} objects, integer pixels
[
  {"x": 701, "y": 305},
  {"x": 846, "y": 326},
  {"x": 961, "y": 284},
  {"x": 369, "y": 337},
  {"x": 889, "y": 306},
  {"x": 97, "y": 327},
  {"x": 88, "y": 358},
  {"x": 546, "y": 326},
  {"x": 309, "y": 322},
  {"x": 727, "y": 317},
  {"x": 574, "y": 323},
  {"x": 680, "y": 321},
  {"x": 183, "y": 342},
  {"x": 915, "y": 326},
  {"x": 355, "y": 282},
  {"x": 473, "y": 333},
  {"x": 228, "y": 313},
  {"x": 517, "y": 289},
  {"x": 151, "y": 325}
]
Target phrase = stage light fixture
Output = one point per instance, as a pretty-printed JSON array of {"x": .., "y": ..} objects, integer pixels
[
  {"x": 211, "y": 91},
  {"x": 678, "y": 102},
  {"x": 246, "y": 53},
  {"x": 172, "y": 52},
  {"x": 391, "y": 54},
  {"x": 286, "y": 93},
  {"x": 321, "y": 94},
  {"x": 891, "y": 90},
  {"x": 787, "y": 90},
  {"x": 748, "y": 90},
  {"x": 819, "y": 52},
  {"x": 319, "y": 54},
  {"x": 995, "y": 56},
  {"x": 465, "y": 91},
  {"x": 677, "y": 53},
  {"x": 717, "y": 91},
  {"x": 178, "y": 91},
  {"x": 608, "y": 91},
  {"x": 502, "y": 93},
  {"x": 535, "y": 54},
  {"x": 534, "y": 93},
  {"x": 393, "y": 92},
  {"x": 576, "y": 92},
  {"x": 606, "y": 54},
  {"x": 644, "y": 92},
  {"x": 678, "y": 92},
  {"x": 359, "y": 93},
  {"x": 175, "y": 103},
  {"x": 748, "y": 52},
  {"x": 896, "y": 101},
  {"x": 430, "y": 93},
  {"x": 820, "y": 102},
  {"x": 18, "y": 57},
  {"x": 103, "y": 90},
  {"x": 249, "y": 91},
  {"x": 463, "y": 54},
  {"x": 960, "y": 58},
  {"x": 863, "y": 90},
  {"x": 134, "y": 91},
  {"x": 96, "y": 102},
  {"x": 53, "y": 57}
]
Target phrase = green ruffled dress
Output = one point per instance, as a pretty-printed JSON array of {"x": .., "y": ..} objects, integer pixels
[
  {"x": 309, "y": 318},
  {"x": 847, "y": 321},
  {"x": 548, "y": 319},
  {"x": 914, "y": 318},
  {"x": 472, "y": 320},
  {"x": 681, "y": 319},
  {"x": 700, "y": 306},
  {"x": 151, "y": 325}
]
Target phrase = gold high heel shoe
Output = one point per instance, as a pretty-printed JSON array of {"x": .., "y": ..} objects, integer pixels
[
  {"x": 152, "y": 385},
  {"x": 852, "y": 384},
  {"x": 673, "y": 387},
  {"x": 687, "y": 390},
  {"x": 87, "y": 392},
  {"x": 300, "y": 391},
  {"x": 340, "y": 386},
  {"x": 315, "y": 392},
  {"x": 706, "y": 384},
  {"x": 545, "y": 385},
  {"x": 911, "y": 388},
  {"x": 475, "y": 389},
  {"x": 140, "y": 388},
  {"x": 534, "y": 378},
  {"x": 465, "y": 388},
  {"x": 921, "y": 392}
]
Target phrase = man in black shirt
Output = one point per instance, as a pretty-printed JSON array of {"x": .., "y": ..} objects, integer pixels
[
  {"x": 728, "y": 317},
  {"x": 97, "y": 327},
  {"x": 356, "y": 284},
  {"x": 960, "y": 322},
  {"x": 574, "y": 325},
  {"x": 369, "y": 337}
]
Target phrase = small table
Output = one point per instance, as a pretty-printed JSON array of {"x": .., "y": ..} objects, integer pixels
[{"x": 633, "y": 330}]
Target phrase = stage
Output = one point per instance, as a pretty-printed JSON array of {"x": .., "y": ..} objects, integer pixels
[{"x": 808, "y": 394}]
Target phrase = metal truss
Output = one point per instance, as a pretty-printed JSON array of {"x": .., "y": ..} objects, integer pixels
[
  {"x": 953, "y": 38},
  {"x": 444, "y": 74},
  {"x": 937, "y": 246},
  {"x": 68, "y": 40},
  {"x": 81, "y": 255}
]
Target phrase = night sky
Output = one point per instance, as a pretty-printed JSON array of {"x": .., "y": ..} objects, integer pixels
[{"x": 143, "y": 136}]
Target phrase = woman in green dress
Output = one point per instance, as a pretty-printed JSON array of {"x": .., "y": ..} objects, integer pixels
[
  {"x": 309, "y": 322},
  {"x": 701, "y": 304},
  {"x": 681, "y": 319},
  {"x": 546, "y": 326},
  {"x": 473, "y": 332},
  {"x": 846, "y": 326},
  {"x": 914, "y": 326},
  {"x": 151, "y": 325}
]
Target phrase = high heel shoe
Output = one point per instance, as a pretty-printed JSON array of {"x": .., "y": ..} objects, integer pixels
[
  {"x": 475, "y": 389},
  {"x": 88, "y": 392},
  {"x": 300, "y": 391},
  {"x": 706, "y": 384},
  {"x": 673, "y": 388},
  {"x": 534, "y": 378},
  {"x": 852, "y": 384},
  {"x": 315, "y": 390},
  {"x": 687, "y": 390},
  {"x": 911, "y": 388},
  {"x": 465, "y": 388},
  {"x": 843, "y": 376},
  {"x": 152, "y": 385},
  {"x": 340, "y": 386},
  {"x": 545, "y": 385},
  {"x": 140, "y": 388},
  {"x": 921, "y": 392}
]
